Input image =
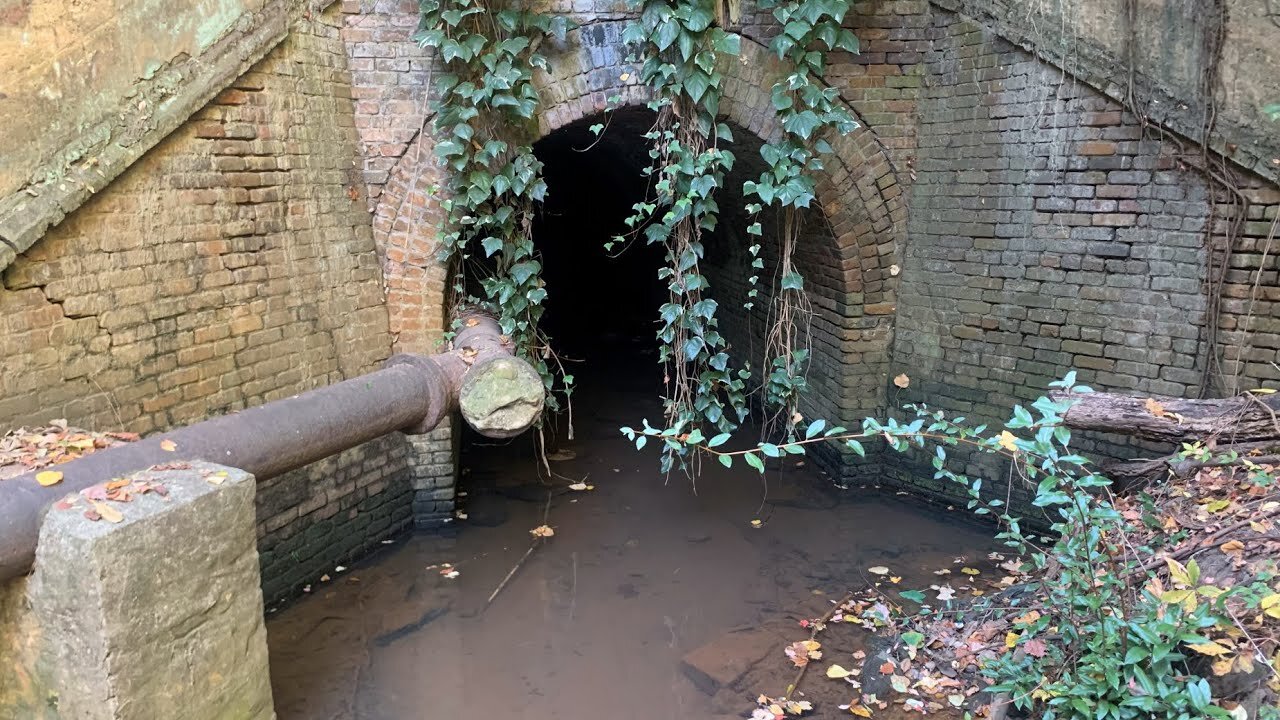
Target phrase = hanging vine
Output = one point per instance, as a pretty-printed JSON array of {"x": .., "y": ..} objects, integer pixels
[
  {"x": 807, "y": 109},
  {"x": 485, "y": 119},
  {"x": 680, "y": 46}
]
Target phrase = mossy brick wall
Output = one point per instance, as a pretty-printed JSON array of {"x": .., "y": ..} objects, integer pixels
[
  {"x": 232, "y": 265},
  {"x": 1048, "y": 232}
]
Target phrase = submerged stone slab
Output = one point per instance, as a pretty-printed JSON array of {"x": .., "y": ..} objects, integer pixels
[
  {"x": 719, "y": 664},
  {"x": 160, "y": 614}
]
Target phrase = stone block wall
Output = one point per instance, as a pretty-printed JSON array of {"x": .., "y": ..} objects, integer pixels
[{"x": 231, "y": 266}]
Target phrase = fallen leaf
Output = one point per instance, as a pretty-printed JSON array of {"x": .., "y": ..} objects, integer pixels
[
  {"x": 970, "y": 571},
  {"x": 899, "y": 683},
  {"x": 1011, "y": 639},
  {"x": 108, "y": 513},
  {"x": 168, "y": 445},
  {"x": 887, "y": 668},
  {"x": 878, "y": 570},
  {"x": 1232, "y": 546},
  {"x": 803, "y": 651},
  {"x": 902, "y": 381},
  {"x": 49, "y": 477},
  {"x": 835, "y": 672},
  {"x": 756, "y": 523},
  {"x": 1271, "y": 605},
  {"x": 945, "y": 592},
  {"x": 1211, "y": 648},
  {"x": 580, "y": 486},
  {"x": 1217, "y": 506},
  {"x": 860, "y": 711},
  {"x": 1154, "y": 407},
  {"x": 542, "y": 531},
  {"x": 1035, "y": 647}
]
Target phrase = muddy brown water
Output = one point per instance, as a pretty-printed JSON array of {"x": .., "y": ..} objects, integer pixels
[{"x": 641, "y": 570}]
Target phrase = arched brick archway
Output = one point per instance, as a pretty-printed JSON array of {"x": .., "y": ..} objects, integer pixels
[{"x": 853, "y": 288}]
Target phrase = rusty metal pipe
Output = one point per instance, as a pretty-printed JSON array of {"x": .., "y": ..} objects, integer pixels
[{"x": 413, "y": 394}]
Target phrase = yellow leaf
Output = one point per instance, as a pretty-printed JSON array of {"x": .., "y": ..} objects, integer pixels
[
  {"x": 1007, "y": 441},
  {"x": 1173, "y": 597},
  {"x": 1271, "y": 605},
  {"x": 1154, "y": 407},
  {"x": 168, "y": 445},
  {"x": 895, "y": 579},
  {"x": 970, "y": 571},
  {"x": 107, "y": 512},
  {"x": 1263, "y": 391},
  {"x": 756, "y": 523},
  {"x": 860, "y": 711},
  {"x": 542, "y": 531},
  {"x": 49, "y": 477},
  {"x": 1211, "y": 648},
  {"x": 1011, "y": 639},
  {"x": 1217, "y": 506},
  {"x": 835, "y": 672},
  {"x": 1231, "y": 546},
  {"x": 1222, "y": 667},
  {"x": 1177, "y": 571},
  {"x": 1028, "y": 618},
  {"x": 902, "y": 381}
]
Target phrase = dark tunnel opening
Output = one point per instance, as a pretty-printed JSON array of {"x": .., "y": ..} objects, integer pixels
[{"x": 602, "y": 305}]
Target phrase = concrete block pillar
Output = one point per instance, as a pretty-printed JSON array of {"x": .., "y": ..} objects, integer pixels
[{"x": 160, "y": 614}]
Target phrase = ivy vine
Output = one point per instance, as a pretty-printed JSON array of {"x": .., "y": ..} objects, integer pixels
[
  {"x": 486, "y": 121},
  {"x": 806, "y": 109},
  {"x": 681, "y": 47}
]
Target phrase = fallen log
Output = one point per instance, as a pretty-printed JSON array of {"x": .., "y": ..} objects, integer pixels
[
  {"x": 1243, "y": 418},
  {"x": 1126, "y": 473}
]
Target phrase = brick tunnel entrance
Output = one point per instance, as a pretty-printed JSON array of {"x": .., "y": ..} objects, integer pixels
[{"x": 604, "y": 293}]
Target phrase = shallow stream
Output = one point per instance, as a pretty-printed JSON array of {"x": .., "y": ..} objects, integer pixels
[{"x": 595, "y": 622}]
